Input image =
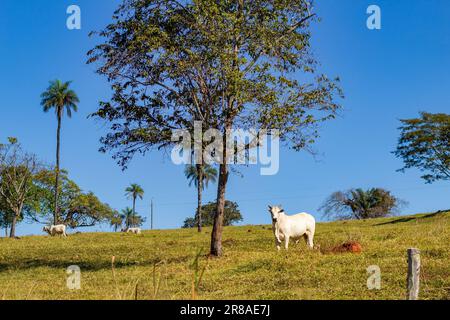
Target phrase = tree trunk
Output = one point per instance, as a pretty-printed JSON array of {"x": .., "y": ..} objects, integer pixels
[
  {"x": 134, "y": 207},
  {"x": 199, "y": 196},
  {"x": 216, "y": 236},
  {"x": 12, "y": 233},
  {"x": 58, "y": 142}
]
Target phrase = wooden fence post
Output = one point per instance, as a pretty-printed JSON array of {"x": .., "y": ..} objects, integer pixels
[{"x": 413, "y": 274}]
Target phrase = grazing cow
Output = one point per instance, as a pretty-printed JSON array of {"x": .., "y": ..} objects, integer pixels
[
  {"x": 286, "y": 227},
  {"x": 53, "y": 230},
  {"x": 132, "y": 230}
]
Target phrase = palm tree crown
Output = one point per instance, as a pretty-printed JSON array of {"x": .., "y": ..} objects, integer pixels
[
  {"x": 60, "y": 97},
  {"x": 127, "y": 216},
  {"x": 209, "y": 175},
  {"x": 133, "y": 192}
]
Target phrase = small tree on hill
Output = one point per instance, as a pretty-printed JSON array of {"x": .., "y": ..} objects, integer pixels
[
  {"x": 131, "y": 219},
  {"x": 76, "y": 208},
  {"x": 232, "y": 215},
  {"x": 361, "y": 204},
  {"x": 17, "y": 173}
]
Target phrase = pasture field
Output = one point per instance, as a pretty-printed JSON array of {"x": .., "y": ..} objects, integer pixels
[{"x": 158, "y": 264}]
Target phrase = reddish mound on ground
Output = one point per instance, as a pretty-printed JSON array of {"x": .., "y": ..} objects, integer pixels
[{"x": 349, "y": 246}]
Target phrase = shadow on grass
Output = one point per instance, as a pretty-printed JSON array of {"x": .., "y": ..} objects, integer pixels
[
  {"x": 84, "y": 265},
  {"x": 408, "y": 219}
]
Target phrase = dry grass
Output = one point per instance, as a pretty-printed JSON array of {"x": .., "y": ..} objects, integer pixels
[{"x": 161, "y": 264}]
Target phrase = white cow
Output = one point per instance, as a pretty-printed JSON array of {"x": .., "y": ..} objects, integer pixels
[
  {"x": 53, "y": 230},
  {"x": 286, "y": 227},
  {"x": 132, "y": 230}
]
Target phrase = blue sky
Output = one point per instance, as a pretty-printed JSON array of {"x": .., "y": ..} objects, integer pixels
[{"x": 386, "y": 74}]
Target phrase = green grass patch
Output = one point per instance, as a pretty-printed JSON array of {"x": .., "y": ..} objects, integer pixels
[{"x": 158, "y": 264}]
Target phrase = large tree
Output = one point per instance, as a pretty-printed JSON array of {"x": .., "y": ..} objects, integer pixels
[
  {"x": 229, "y": 64},
  {"x": 425, "y": 144},
  {"x": 361, "y": 204},
  {"x": 17, "y": 173},
  {"x": 76, "y": 208},
  {"x": 200, "y": 175},
  {"x": 62, "y": 99},
  {"x": 232, "y": 215}
]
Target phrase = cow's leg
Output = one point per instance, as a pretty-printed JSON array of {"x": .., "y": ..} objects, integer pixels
[
  {"x": 278, "y": 243},
  {"x": 306, "y": 236},
  {"x": 310, "y": 239},
  {"x": 286, "y": 242},
  {"x": 277, "y": 237}
]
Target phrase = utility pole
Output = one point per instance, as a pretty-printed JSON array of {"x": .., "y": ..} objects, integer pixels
[{"x": 151, "y": 215}]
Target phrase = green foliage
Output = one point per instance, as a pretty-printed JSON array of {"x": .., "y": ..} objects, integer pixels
[
  {"x": 131, "y": 219},
  {"x": 425, "y": 144},
  {"x": 58, "y": 96},
  {"x": 77, "y": 209},
  {"x": 218, "y": 62},
  {"x": 116, "y": 221},
  {"x": 226, "y": 64},
  {"x": 232, "y": 215},
  {"x": 17, "y": 172},
  {"x": 209, "y": 175},
  {"x": 13, "y": 140},
  {"x": 6, "y": 216},
  {"x": 134, "y": 191},
  {"x": 361, "y": 204},
  {"x": 200, "y": 175}
]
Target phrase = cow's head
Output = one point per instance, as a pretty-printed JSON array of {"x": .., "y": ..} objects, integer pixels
[
  {"x": 275, "y": 212},
  {"x": 46, "y": 229}
]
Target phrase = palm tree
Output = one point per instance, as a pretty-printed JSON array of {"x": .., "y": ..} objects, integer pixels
[
  {"x": 116, "y": 221},
  {"x": 127, "y": 216},
  {"x": 361, "y": 204},
  {"x": 59, "y": 97},
  {"x": 134, "y": 191},
  {"x": 200, "y": 175}
]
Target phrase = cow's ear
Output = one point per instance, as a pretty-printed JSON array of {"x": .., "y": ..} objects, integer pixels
[{"x": 270, "y": 208}]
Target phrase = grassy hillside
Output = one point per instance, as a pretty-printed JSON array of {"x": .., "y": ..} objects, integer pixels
[{"x": 156, "y": 265}]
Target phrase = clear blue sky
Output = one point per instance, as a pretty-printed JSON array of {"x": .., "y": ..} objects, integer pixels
[{"x": 388, "y": 74}]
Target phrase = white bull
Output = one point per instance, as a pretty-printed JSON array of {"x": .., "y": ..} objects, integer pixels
[
  {"x": 132, "y": 230},
  {"x": 292, "y": 227},
  {"x": 54, "y": 230}
]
